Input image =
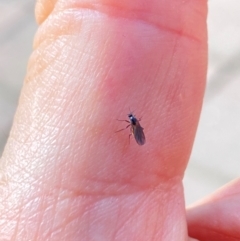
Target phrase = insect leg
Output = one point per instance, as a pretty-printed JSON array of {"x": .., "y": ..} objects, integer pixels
[
  {"x": 131, "y": 133},
  {"x": 129, "y": 137},
  {"x": 123, "y": 128},
  {"x": 124, "y": 120}
]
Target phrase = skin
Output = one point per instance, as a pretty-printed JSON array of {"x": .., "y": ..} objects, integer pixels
[{"x": 65, "y": 173}]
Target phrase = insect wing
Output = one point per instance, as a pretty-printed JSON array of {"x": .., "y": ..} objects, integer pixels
[{"x": 139, "y": 134}]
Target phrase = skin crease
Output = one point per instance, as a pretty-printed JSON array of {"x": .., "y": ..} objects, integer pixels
[{"x": 65, "y": 173}]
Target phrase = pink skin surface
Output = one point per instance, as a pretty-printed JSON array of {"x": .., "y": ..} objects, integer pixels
[{"x": 65, "y": 173}]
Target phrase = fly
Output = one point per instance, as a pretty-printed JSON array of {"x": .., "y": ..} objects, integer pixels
[{"x": 135, "y": 129}]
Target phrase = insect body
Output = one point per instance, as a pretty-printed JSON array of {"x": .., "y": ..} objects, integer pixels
[{"x": 136, "y": 129}]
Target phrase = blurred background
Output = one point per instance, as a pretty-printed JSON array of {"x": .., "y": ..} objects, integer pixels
[{"x": 215, "y": 158}]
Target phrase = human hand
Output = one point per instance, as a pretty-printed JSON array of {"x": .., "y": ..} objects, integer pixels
[{"x": 65, "y": 174}]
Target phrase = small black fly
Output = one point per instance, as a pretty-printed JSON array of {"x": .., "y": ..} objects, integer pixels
[{"x": 135, "y": 129}]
